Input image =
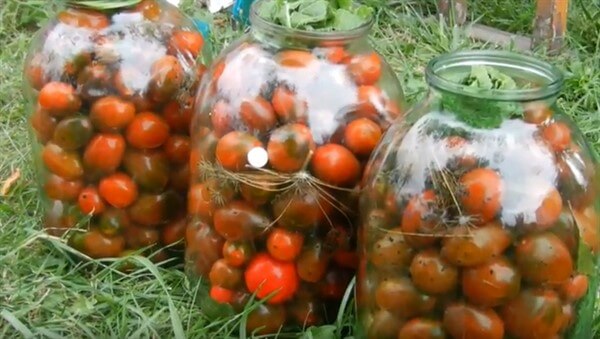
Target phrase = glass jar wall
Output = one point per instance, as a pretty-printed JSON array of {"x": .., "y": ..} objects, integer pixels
[
  {"x": 110, "y": 92},
  {"x": 480, "y": 211},
  {"x": 284, "y": 121}
]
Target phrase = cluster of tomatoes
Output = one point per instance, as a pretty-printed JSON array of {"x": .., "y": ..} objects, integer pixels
[
  {"x": 281, "y": 227},
  {"x": 113, "y": 94},
  {"x": 478, "y": 253}
]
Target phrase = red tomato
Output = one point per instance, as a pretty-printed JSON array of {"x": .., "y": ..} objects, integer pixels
[
  {"x": 295, "y": 58},
  {"x": 221, "y": 295},
  {"x": 557, "y": 135},
  {"x": 118, "y": 189},
  {"x": 284, "y": 245},
  {"x": 186, "y": 42},
  {"x": 550, "y": 209},
  {"x": 362, "y": 136},
  {"x": 433, "y": 274},
  {"x": 466, "y": 321},
  {"x": 90, "y": 201},
  {"x": 365, "y": 69},
  {"x": 62, "y": 163},
  {"x": 58, "y": 188},
  {"x": 266, "y": 275},
  {"x": 492, "y": 283},
  {"x": 288, "y": 107},
  {"x": 419, "y": 217},
  {"x": 232, "y": 150},
  {"x": 257, "y": 113},
  {"x": 84, "y": 18},
  {"x": 575, "y": 288},
  {"x": 104, "y": 152},
  {"x": 177, "y": 148},
  {"x": 289, "y": 147},
  {"x": 482, "y": 192},
  {"x": 59, "y": 99},
  {"x": 336, "y": 165},
  {"x": 111, "y": 113},
  {"x": 147, "y": 130},
  {"x": 221, "y": 118}
]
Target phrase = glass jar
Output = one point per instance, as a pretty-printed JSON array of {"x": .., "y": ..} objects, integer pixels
[
  {"x": 284, "y": 122},
  {"x": 110, "y": 92},
  {"x": 480, "y": 212}
]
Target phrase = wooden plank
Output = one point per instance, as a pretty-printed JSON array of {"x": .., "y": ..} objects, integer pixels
[
  {"x": 550, "y": 24},
  {"x": 498, "y": 37},
  {"x": 454, "y": 10}
]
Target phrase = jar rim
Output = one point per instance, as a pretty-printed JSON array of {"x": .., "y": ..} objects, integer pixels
[
  {"x": 257, "y": 22},
  {"x": 552, "y": 77}
]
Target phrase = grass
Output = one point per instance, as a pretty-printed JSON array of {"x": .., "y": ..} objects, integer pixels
[{"x": 44, "y": 293}]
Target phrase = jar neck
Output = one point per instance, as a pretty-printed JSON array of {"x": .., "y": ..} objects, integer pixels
[
  {"x": 278, "y": 35},
  {"x": 535, "y": 80}
]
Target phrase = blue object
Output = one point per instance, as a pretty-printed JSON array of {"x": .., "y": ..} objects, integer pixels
[
  {"x": 202, "y": 27},
  {"x": 241, "y": 11}
]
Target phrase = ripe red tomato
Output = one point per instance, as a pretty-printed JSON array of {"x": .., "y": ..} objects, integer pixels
[
  {"x": 265, "y": 275},
  {"x": 550, "y": 209},
  {"x": 232, "y": 150},
  {"x": 482, "y": 192},
  {"x": 557, "y": 135},
  {"x": 104, "y": 152},
  {"x": 147, "y": 130},
  {"x": 295, "y": 58},
  {"x": 118, "y": 189},
  {"x": 575, "y": 288},
  {"x": 365, "y": 69},
  {"x": 433, "y": 274},
  {"x": 43, "y": 125},
  {"x": 90, "y": 201},
  {"x": 284, "y": 245},
  {"x": 59, "y": 99},
  {"x": 419, "y": 217},
  {"x": 111, "y": 113},
  {"x": 336, "y": 165},
  {"x": 84, "y": 18},
  {"x": 361, "y": 136},
  {"x": 221, "y": 295},
  {"x": 289, "y": 147},
  {"x": 62, "y": 163},
  {"x": 491, "y": 284},
  {"x": 288, "y": 107},
  {"x": 257, "y": 113},
  {"x": 466, "y": 321},
  {"x": 186, "y": 42}
]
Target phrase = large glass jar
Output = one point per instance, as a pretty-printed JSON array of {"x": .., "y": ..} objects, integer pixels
[
  {"x": 284, "y": 122},
  {"x": 111, "y": 87},
  {"x": 480, "y": 212}
]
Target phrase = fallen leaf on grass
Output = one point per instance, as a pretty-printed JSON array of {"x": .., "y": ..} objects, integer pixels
[{"x": 9, "y": 182}]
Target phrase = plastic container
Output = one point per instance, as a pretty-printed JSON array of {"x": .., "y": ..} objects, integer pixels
[
  {"x": 284, "y": 121},
  {"x": 480, "y": 213},
  {"x": 111, "y": 92}
]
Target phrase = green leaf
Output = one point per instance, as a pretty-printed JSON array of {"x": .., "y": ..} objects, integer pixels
[
  {"x": 320, "y": 332},
  {"x": 345, "y": 20},
  {"x": 480, "y": 112},
  {"x": 318, "y": 15},
  {"x": 344, "y": 4}
]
